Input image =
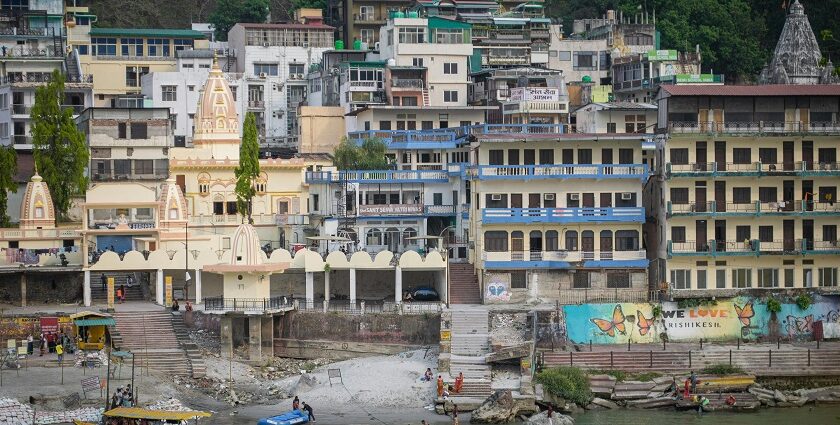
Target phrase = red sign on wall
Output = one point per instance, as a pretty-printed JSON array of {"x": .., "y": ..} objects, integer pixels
[{"x": 49, "y": 325}]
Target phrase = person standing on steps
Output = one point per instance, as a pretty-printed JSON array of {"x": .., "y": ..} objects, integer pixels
[
  {"x": 440, "y": 386},
  {"x": 693, "y": 378},
  {"x": 104, "y": 280},
  {"x": 459, "y": 382}
]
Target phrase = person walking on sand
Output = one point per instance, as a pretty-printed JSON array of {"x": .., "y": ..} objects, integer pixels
[
  {"x": 440, "y": 386},
  {"x": 459, "y": 382},
  {"x": 309, "y": 412}
]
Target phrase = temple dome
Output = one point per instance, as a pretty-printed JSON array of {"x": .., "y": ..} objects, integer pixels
[
  {"x": 173, "y": 206},
  {"x": 36, "y": 210},
  {"x": 216, "y": 118},
  {"x": 246, "y": 254}
]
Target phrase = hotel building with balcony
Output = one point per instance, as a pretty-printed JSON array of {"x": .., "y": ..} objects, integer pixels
[{"x": 747, "y": 196}]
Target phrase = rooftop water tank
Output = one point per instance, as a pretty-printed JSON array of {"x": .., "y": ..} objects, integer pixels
[
  {"x": 399, "y": 14},
  {"x": 339, "y": 45},
  {"x": 413, "y": 14},
  {"x": 357, "y": 44},
  {"x": 586, "y": 79}
]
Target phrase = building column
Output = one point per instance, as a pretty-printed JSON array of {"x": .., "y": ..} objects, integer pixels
[
  {"x": 267, "y": 322},
  {"x": 159, "y": 287},
  {"x": 198, "y": 286},
  {"x": 310, "y": 287},
  {"x": 22, "y": 289},
  {"x": 226, "y": 335},
  {"x": 86, "y": 288},
  {"x": 254, "y": 337},
  {"x": 398, "y": 285},
  {"x": 353, "y": 287},
  {"x": 326, "y": 289}
]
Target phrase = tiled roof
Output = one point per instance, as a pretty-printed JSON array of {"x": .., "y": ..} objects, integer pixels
[
  {"x": 763, "y": 90},
  {"x": 147, "y": 32}
]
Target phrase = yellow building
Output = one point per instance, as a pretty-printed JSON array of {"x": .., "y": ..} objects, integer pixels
[
  {"x": 748, "y": 189},
  {"x": 118, "y": 58}
]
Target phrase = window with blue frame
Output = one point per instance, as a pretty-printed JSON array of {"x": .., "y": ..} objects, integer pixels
[
  {"x": 82, "y": 20},
  {"x": 83, "y": 49},
  {"x": 103, "y": 46},
  {"x": 265, "y": 68},
  {"x": 15, "y": 4},
  {"x": 132, "y": 46},
  {"x": 183, "y": 44},
  {"x": 158, "y": 47}
]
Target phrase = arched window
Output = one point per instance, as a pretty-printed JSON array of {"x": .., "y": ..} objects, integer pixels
[
  {"x": 392, "y": 236},
  {"x": 535, "y": 241},
  {"x": 627, "y": 240},
  {"x": 606, "y": 240},
  {"x": 374, "y": 237},
  {"x": 517, "y": 241},
  {"x": 571, "y": 240},
  {"x": 551, "y": 242},
  {"x": 496, "y": 241},
  {"x": 587, "y": 241},
  {"x": 409, "y": 233}
]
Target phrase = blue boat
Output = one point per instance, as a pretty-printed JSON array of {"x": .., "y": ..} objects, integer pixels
[{"x": 291, "y": 417}]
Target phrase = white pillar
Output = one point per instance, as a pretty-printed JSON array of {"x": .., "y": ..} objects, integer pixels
[
  {"x": 310, "y": 287},
  {"x": 398, "y": 285},
  {"x": 326, "y": 286},
  {"x": 198, "y": 286},
  {"x": 86, "y": 289},
  {"x": 353, "y": 286},
  {"x": 159, "y": 287}
]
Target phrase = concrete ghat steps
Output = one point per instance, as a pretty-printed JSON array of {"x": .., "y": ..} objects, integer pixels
[
  {"x": 463, "y": 284},
  {"x": 150, "y": 335}
]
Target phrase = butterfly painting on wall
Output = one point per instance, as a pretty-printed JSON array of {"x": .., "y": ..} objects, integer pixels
[
  {"x": 610, "y": 326},
  {"x": 643, "y": 323}
]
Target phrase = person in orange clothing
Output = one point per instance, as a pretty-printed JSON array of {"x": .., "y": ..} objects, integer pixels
[
  {"x": 459, "y": 382},
  {"x": 440, "y": 386},
  {"x": 686, "y": 392}
]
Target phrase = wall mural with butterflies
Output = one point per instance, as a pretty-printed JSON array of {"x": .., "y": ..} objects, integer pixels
[{"x": 744, "y": 317}]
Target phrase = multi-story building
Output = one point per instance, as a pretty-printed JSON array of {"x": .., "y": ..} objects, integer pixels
[
  {"x": 624, "y": 35},
  {"x": 32, "y": 46},
  {"x": 580, "y": 59},
  {"x": 636, "y": 77},
  {"x": 747, "y": 197},
  {"x": 274, "y": 60},
  {"x": 556, "y": 215},
  {"x": 118, "y": 58},
  {"x": 521, "y": 95},
  {"x": 128, "y": 144}
]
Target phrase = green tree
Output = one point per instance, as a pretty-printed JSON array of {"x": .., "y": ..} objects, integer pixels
[
  {"x": 249, "y": 166},
  {"x": 8, "y": 165},
  {"x": 230, "y": 12},
  {"x": 369, "y": 156},
  {"x": 60, "y": 151}
]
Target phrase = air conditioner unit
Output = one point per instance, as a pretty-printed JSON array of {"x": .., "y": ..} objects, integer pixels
[
  {"x": 305, "y": 44},
  {"x": 265, "y": 44},
  {"x": 496, "y": 197},
  {"x": 548, "y": 197},
  {"x": 263, "y": 75},
  {"x": 626, "y": 196},
  {"x": 300, "y": 76},
  {"x": 574, "y": 196}
]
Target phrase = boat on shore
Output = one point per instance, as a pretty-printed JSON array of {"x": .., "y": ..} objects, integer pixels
[{"x": 292, "y": 417}]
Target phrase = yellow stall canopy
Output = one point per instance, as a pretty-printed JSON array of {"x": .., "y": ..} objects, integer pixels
[
  {"x": 155, "y": 415},
  {"x": 89, "y": 315},
  {"x": 91, "y": 328}
]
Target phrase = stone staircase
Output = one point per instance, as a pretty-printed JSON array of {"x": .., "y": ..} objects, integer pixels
[
  {"x": 463, "y": 284},
  {"x": 469, "y": 344},
  {"x": 134, "y": 293},
  {"x": 199, "y": 369},
  {"x": 150, "y": 335}
]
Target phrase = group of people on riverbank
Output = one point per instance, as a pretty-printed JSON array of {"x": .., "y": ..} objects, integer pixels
[{"x": 123, "y": 397}]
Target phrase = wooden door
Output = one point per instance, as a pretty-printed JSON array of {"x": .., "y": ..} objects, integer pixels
[
  {"x": 720, "y": 155},
  {"x": 701, "y": 156},
  {"x": 808, "y": 154},
  {"x": 589, "y": 200},
  {"x": 788, "y": 236},
  {"x": 787, "y": 156},
  {"x": 700, "y": 200},
  {"x": 720, "y": 196},
  {"x": 701, "y": 239}
]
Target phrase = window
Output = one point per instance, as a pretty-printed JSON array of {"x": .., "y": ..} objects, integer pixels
[
  {"x": 701, "y": 279},
  {"x": 265, "y": 68},
  {"x": 122, "y": 133},
  {"x": 158, "y": 47},
  {"x": 449, "y": 36},
  {"x": 418, "y": 62},
  {"x": 169, "y": 93},
  {"x": 450, "y": 68},
  {"x": 829, "y": 233},
  {"x": 584, "y": 156},
  {"x": 547, "y": 156},
  {"x": 144, "y": 166},
  {"x": 183, "y": 44},
  {"x": 678, "y": 234},
  {"x": 122, "y": 167},
  {"x": 679, "y": 195},
  {"x": 580, "y": 280},
  {"x": 450, "y": 95},
  {"x": 571, "y": 240},
  {"x": 295, "y": 68},
  {"x": 679, "y": 156},
  {"x": 437, "y": 198},
  {"x": 742, "y": 195},
  {"x": 496, "y": 241},
  {"x": 82, "y": 49},
  {"x": 742, "y": 233},
  {"x": 497, "y": 157},
  {"x": 132, "y": 46},
  {"x": 551, "y": 240},
  {"x": 101, "y": 46},
  {"x": 133, "y": 75},
  {"x": 681, "y": 279},
  {"x": 513, "y": 156},
  {"x": 232, "y": 89},
  {"x": 618, "y": 280},
  {"x": 789, "y": 278},
  {"x": 625, "y": 156},
  {"x": 767, "y": 194},
  {"x": 611, "y": 128},
  {"x": 218, "y": 208},
  {"x": 384, "y": 125},
  {"x": 518, "y": 279},
  {"x": 634, "y": 123},
  {"x": 584, "y": 61},
  {"x": 412, "y": 35},
  {"x": 767, "y": 155},
  {"x": 828, "y": 276},
  {"x": 741, "y": 155},
  {"x": 230, "y": 207},
  {"x": 564, "y": 55},
  {"x": 139, "y": 130},
  {"x": 742, "y": 278},
  {"x": 626, "y": 240},
  {"x": 765, "y": 233},
  {"x": 768, "y": 278},
  {"x": 367, "y": 35},
  {"x": 366, "y": 13}
]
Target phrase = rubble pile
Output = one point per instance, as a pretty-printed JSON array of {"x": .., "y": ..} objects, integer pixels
[
  {"x": 508, "y": 329},
  {"x": 207, "y": 341},
  {"x": 217, "y": 388},
  {"x": 170, "y": 404},
  {"x": 90, "y": 358},
  {"x": 13, "y": 412},
  {"x": 279, "y": 367}
]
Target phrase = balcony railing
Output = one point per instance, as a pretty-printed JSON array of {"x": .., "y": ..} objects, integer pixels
[
  {"x": 368, "y": 18},
  {"x": 7, "y": 234},
  {"x": 445, "y": 210},
  {"x": 256, "y": 104},
  {"x": 262, "y": 219},
  {"x": 753, "y": 169},
  {"x": 20, "y": 139},
  {"x": 406, "y": 83},
  {"x": 25, "y": 52},
  {"x": 111, "y": 224},
  {"x": 38, "y": 77},
  {"x": 447, "y": 137},
  {"x": 566, "y": 259},
  {"x": 800, "y": 207},
  {"x": 562, "y": 215},
  {"x": 246, "y": 304},
  {"x": 752, "y": 247},
  {"x": 157, "y": 174},
  {"x": 606, "y": 295},
  {"x": 21, "y": 109},
  {"x": 561, "y": 171},
  {"x": 383, "y": 176},
  {"x": 755, "y": 127}
]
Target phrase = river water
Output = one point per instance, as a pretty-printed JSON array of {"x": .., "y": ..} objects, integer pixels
[{"x": 795, "y": 416}]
